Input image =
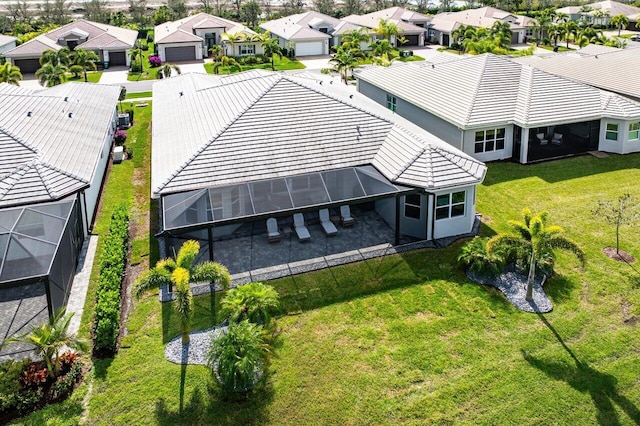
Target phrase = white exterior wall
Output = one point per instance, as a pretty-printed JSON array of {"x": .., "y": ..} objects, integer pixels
[
  {"x": 162, "y": 47},
  {"x": 457, "y": 225},
  {"x": 469, "y": 141},
  {"x": 623, "y": 145},
  {"x": 200, "y": 32},
  {"x": 235, "y": 51}
]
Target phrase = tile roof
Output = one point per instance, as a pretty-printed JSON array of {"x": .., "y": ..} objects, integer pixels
[
  {"x": 297, "y": 27},
  {"x": 261, "y": 125},
  {"x": 51, "y": 140},
  {"x": 181, "y": 31},
  {"x": 485, "y": 90},
  {"x": 612, "y": 7},
  {"x": 480, "y": 17},
  {"x": 4, "y": 39},
  {"x": 392, "y": 15}
]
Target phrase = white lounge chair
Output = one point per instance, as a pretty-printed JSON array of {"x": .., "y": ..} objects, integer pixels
[
  {"x": 272, "y": 229},
  {"x": 301, "y": 230},
  {"x": 541, "y": 138},
  {"x": 328, "y": 226},
  {"x": 557, "y": 139},
  {"x": 345, "y": 216}
]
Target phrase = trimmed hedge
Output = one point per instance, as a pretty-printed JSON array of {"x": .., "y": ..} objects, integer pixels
[{"x": 106, "y": 322}]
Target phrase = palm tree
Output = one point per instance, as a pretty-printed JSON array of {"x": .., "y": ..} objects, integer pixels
[
  {"x": 533, "y": 243},
  {"x": 387, "y": 29},
  {"x": 50, "y": 338},
  {"x": 571, "y": 29},
  {"x": 180, "y": 273},
  {"x": 56, "y": 57},
  {"x": 271, "y": 48},
  {"x": 381, "y": 47},
  {"x": 85, "y": 59},
  {"x": 238, "y": 356},
  {"x": 225, "y": 61},
  {"x": 10, "y": 74},
  {"x": 136, "y": 53},
  {"x": 355, "y": 38},
  {"x": 346, "y": 59},
  {"x": 254, "y": 302},
  {"x": 215, "y": 50},
  {"x": 557, "y": 33},
  {"x": 167, "y": 69},
  {"x": 50, "y": 75},
  {"x": 620, "y": 21},
  {"x": 501, "y": 33},
  {"x": 231, "y": 40}
]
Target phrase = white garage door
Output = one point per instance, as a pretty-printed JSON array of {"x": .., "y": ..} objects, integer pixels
[{"x": 310, "y": 48}]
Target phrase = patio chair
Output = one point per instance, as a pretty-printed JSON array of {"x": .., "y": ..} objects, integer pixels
[
  {"x": 346, "y": 220},
  {"x": 272, "y": 229},
  {"x": 327, "y": 226},
  {"x": 301, "y": 230},
  {"x": 541, "y": 138},
  {"x": 557, "y": 139}
]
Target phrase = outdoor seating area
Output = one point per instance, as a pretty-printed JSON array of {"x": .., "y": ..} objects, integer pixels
[{"x": 562, "y": 141}]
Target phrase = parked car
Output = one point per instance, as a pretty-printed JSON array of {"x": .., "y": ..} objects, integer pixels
[{"x": 635, "y": 38}]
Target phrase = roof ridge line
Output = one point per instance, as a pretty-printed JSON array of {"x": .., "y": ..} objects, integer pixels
[
  {"x": 44, "y": 182},
  {"x": 20, "y": 171},
  {"x": 19, "y": 140},
  {"x": 410, "y": 162},
  {"x": 475, "y": 95},
  {"x": 530, "y": 72},
  {"x": 63, "y": 172}
]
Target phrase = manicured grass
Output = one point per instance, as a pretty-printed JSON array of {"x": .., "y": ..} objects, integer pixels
[
  {"x": 147, "y": 73},
  {"x": 414, "y": 58},
  {"x": 93, "y": 77},
  {"x": 409, "y": 339},
  {"x": 281, "y": 64},
  {"x": 138, "y": 95}
]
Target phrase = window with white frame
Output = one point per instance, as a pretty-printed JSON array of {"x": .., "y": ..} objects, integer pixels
[
  {"x": 634, "y": 131},
  {"x": 489, "y": 140},
  {"x": 247, "y": 49},
  {"x": 450, "y": 205},
  {"x": 612, "y": 131},
  {"x": 412, "y": 206},
  {"x": 391, "y": 102}
]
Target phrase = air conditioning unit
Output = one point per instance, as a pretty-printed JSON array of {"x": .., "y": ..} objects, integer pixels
[{"x": 123, "y": 121}]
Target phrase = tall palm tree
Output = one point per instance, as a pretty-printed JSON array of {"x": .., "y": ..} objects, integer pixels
[
  {"x": 355, "y": 38},
  {"x": 501, "y": 33},
  {"x": 237, "y": 356},
  {"x": 10, "y": 74},
  {"x": 533, "y": 243},
  {"x": 381, "y": 47},
  {"x": 271, "y": 48},
  {"x": 167, "y": 69},
  {"x": 180, "y": 273},
  {"x": 620, "y": 21},
  {"x": 346, "y": 59},
  {"x": 215, "y": 50},
  {"x": 50, "y": 75},
  {"x": 225, "y": 61},
  {"x": 231, "y": 40},
  {"x": 56, "y": 57},
  {"x": 388, "y": 29},
  {"x": 255, "y": 302},
  {"x": 85, "y": 60},
  {"x": 571, "y": 30},
  {"x": 50, "y": 338}
]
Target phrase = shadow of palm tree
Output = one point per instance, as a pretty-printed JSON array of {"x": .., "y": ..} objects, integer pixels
[{"x": 601, "y": 387}]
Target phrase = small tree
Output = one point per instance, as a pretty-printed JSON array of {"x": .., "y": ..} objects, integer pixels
[
  {"x": 255, "y": 302},
  {"x": 123, "y": 95},
  {"x": 620, "y": 21},
  {"x": 475, "y": 256},
  {"x": 167, "y": 69},
  {"x": 624, "y": 212}
]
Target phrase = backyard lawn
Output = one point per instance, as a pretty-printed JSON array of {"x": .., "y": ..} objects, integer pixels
[{"x": 406, "y": 338}]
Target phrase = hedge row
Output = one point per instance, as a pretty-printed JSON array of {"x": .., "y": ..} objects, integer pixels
[{"x": 106, "y": 323}]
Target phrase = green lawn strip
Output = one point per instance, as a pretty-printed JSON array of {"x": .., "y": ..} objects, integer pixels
[
  {"x": 409, "y": 339},
  {"x": 93, "y": 77},
  {"x": 281, "y": 64},
  {"x": 137, "y": 95}
]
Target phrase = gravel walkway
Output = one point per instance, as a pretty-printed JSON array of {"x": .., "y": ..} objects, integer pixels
[
  {"x": 514, "y": 287},
  {"x": 196, "y": 351}
]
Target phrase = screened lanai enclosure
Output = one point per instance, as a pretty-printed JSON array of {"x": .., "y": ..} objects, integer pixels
[
  {"x": 38, "y": 247},
  {"x": 230, "y": 221}
]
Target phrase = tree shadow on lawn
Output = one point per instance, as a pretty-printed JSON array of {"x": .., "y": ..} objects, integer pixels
[
  {"x": 559, "y": 288},
  {"x": 205, "y": 315},
  {"x": 101, "y": 367},
  {"x": 560, "y": 170},
  {"x": 601, "y": 387}
]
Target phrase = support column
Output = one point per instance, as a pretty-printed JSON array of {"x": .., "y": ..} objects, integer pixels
[
  {"x": 397, "y": 230},
  {"x": 210, "y": 237},
  {"x": 47, "y": 286}
]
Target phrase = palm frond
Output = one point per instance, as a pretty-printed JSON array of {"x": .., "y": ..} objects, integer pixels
[
  {"x": 564, "y": 243},
  {"x": 187, "y": 254},
  {"x": 152, "y": 278},
  {"x": 211, "y": 271},
  {"x": 521, "y": 228}
]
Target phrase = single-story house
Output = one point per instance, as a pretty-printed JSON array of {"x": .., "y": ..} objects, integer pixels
[
  {"x": 604, "y": 67},
  {"x": 111, "y": 44},
  {"x": 191, "y": 38},
  {"x": 55, "y": 145},
  {"x": 412, "y": 25},
  {"x": 6, "y": 43},
  {"x": 309, "y": 33},
  {"x": 600, "y": 13},
  {"x": 494, "y": 108},
  {"x": 443, "y": 24},
  {"x": 295, "y": 144}
]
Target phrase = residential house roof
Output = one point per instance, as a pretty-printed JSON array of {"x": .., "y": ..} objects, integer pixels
[
  {"x": 51, "y": 140},
  {"x": 299, "y": 27},
  {"x": 396, "y": 15},
  {"x": 4, "y": 39},
  {"x": 612, "y": 7},
  {"x": 99, "y": 36},
  {"x": 259, "y": 125},
  {"x": 485, "y": 90},
  {"x": 607, "y": 68},
  {"x": 480, "y": 17},
  {"x": 182, "y": 30}
]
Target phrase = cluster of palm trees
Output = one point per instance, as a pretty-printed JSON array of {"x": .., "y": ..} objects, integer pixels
[
  {"x": 10, "y": 74},
  {"x": 478, "y": 40},
  {"x": 56, "y": 65},
  {"x": 225, "y": 57}
]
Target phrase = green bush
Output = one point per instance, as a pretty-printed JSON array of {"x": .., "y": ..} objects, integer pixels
[
  {"x": 474, "y": 256},
  {"x": 136, "y": 67},
  {"x": 10, "y": 389},
  {"x": 106, "y": 322}
]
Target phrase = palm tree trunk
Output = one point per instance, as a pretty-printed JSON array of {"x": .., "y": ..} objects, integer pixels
[
  {"x": 531, "y": 278},
  {"x": 85, "y": 75}
]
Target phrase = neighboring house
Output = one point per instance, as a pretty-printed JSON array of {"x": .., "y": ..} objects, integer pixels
[
  {"x": 293, "y": 144},
  {"x": 111, "y": 44},
  {"x": 309, "y": 33},
  {"x": 600, "y": 13},
  {"x": 55, "y": 145},
  {"x": 6, "y": 43},
  {"x": 493, "y": 108},
  {"x": 606, "y": 68},
  {"x": 443, "y": 24},
  {"x": 412, "y": 25},
  {"x": 191, "y": 38}
]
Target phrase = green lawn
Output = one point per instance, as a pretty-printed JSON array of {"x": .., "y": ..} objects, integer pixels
[
  {"x": 138, "y": 95},
  {"x": 147, "y": 73},
  {"x": 281, "y": 64},
  {"x": 93, "y": 77}
]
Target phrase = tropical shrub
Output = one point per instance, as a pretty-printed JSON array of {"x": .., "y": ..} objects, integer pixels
[
  {"x": 120, "y": 137},
  {"x": 476, "y": 258},
  {"x": 255, "y": 302},
  {"x": 155, "y": 61},
  {"x": 106, "y": 322},
  {"x": 136, "y": 67}
]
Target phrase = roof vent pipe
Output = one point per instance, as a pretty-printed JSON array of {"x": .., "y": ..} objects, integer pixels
[
  {"x": 29, "y": 114},
  {"x": 70, "y": 115},
  {"x": 66, "y": 99}
]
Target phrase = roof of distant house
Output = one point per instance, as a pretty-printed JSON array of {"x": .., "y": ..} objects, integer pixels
[
  {"x": 299, "y": 27},
  {"x": 612, "y": 7},
  {"x": 4, "y": 39},
  {"x": 480, "y": 17},
  {"x": 278, "y": 125},
  {"x": 485, "y": 90},
  {"x": 100, "y": 36},
  {"x": 395, "y": 15},
  {"x": 182, "y": 30},
  {"x": 51, "y": 140}
]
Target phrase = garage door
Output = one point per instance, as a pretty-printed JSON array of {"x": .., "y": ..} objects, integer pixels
[
  {"x": 117, "y": 58},
  {"x": 175, "y": 54},
  {"x": 412, "y": 40},
  {"x": 27, "y": 66},
  {"x": 310, "y": 48}
]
